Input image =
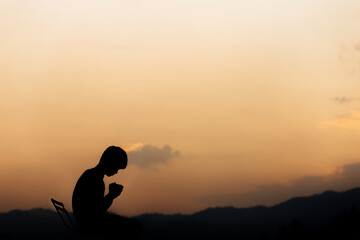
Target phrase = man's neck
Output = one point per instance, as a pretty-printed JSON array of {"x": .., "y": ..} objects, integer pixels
[{"x": 99, "y": 170}]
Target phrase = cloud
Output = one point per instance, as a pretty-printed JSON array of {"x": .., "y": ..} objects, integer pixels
[
  {"x": 147, "y": 156},
  {"x": 357, "y": 47},
  {"x": 341, "y": 178},
  {"x": 343, "y": 100},
  {"x": 349, "y": 121},
  {"x": 350, "y": 56}
]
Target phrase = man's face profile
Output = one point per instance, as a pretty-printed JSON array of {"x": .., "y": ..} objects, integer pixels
[{"x": 112, "y": 171}]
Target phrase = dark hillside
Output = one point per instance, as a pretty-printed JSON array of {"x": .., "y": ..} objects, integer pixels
[{"x": 323, "y": 216}]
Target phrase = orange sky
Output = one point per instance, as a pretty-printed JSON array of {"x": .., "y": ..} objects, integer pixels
[{"x": 217, "y": 102}]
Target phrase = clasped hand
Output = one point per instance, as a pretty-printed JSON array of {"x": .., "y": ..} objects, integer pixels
[{"x": 115, "y": 190}]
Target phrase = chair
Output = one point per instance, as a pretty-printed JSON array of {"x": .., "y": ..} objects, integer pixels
[
  {"x": 64, "y": 216},
  {"x": 68, "y": 222}
]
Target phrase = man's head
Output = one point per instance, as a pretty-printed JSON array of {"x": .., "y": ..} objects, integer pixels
[{"x": 113, "y": 159}]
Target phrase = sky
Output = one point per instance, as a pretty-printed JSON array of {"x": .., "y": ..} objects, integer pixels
[{"x": 217, "y": 102}]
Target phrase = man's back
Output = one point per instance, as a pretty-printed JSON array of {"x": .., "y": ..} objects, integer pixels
[{"x": 88, "y": 198}]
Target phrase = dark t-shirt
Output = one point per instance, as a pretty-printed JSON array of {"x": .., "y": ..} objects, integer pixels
[{"x": 88, "y": 201}]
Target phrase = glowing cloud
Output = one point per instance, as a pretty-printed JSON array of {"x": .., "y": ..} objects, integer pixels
[
  {"x": 349, "y": 121},
  {"x": 146, "y": 156}
]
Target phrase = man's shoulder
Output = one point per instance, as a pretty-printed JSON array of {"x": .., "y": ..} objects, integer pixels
[
  {"x": 91, "y": 174},
  {"x": 89, "y": 171}
]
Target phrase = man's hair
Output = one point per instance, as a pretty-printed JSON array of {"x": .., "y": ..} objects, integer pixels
[{"x": 115, "y": 157}]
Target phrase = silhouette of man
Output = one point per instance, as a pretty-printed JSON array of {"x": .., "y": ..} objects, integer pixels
[{"x": 90, "y": 205}]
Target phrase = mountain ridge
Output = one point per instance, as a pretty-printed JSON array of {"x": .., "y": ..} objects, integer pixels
[{"x": 316, "y": 213}]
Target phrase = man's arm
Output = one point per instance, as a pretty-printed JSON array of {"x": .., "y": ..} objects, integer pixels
[
  {"x": 108, "y": 200},
  {"x": 114, "y": 191}
]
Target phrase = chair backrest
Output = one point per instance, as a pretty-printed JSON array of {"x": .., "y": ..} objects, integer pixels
[{"x": 60, "y": 208}]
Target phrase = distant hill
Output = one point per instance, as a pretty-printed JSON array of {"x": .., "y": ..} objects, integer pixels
[
  {"x": 316, "y": 213},
  {"x": 321, "y": 215},
  {"x": 32, "y": 224}
]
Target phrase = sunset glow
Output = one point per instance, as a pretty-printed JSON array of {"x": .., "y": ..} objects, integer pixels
[{"x": 217, "y": 102}]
